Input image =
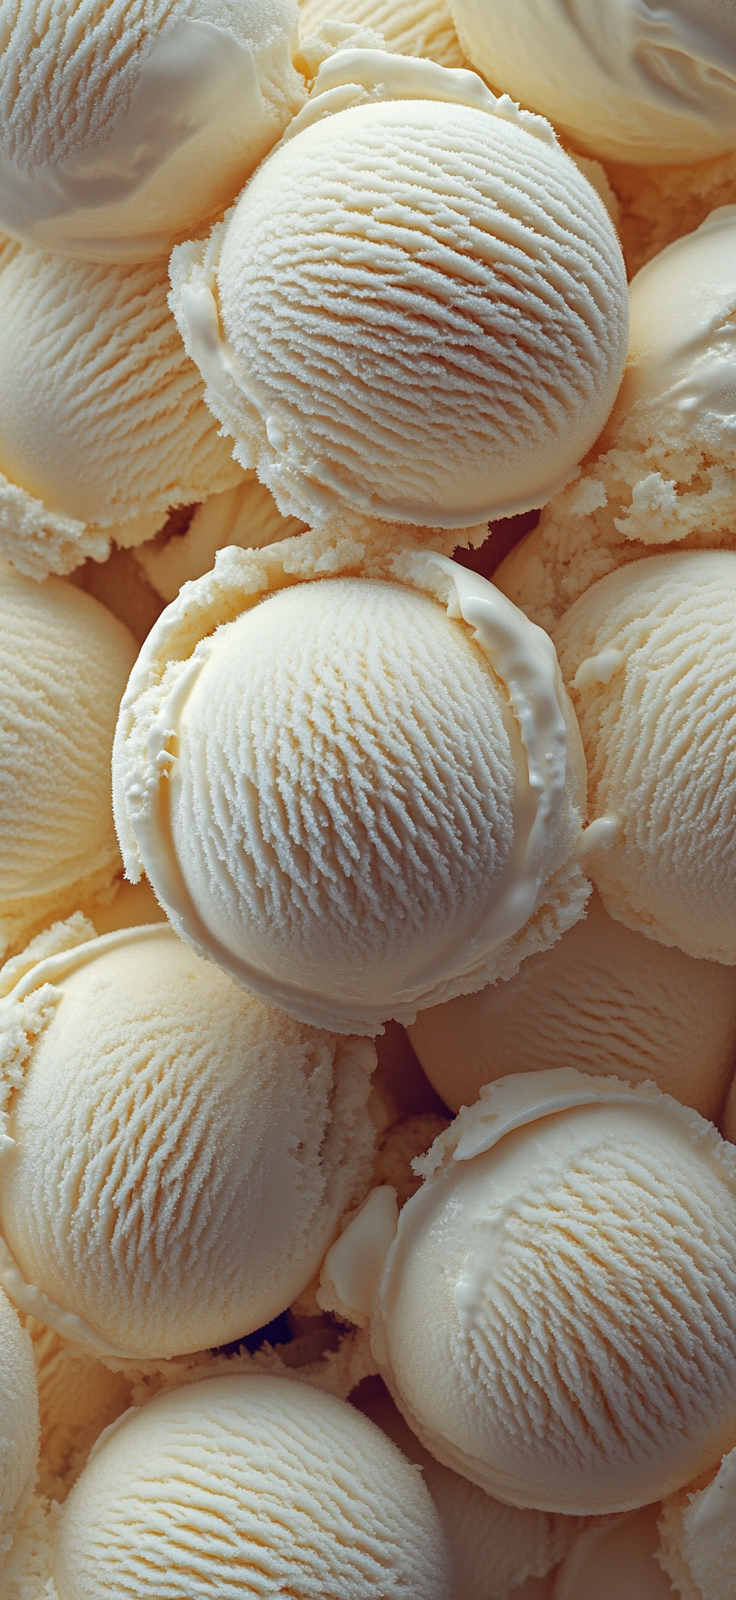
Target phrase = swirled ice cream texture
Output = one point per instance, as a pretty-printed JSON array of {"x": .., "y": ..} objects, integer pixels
[
  {"x": 417, "y": 309},
  {"x": 124, "y": 130},
  {"x": 557, "y": 1313},
  {"x": 365, "y": 805},
  {"x": 628, "y": 81},
  {"x": 182, "y": 1152}
]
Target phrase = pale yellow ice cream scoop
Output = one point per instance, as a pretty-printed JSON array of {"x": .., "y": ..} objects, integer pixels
[
  {"x": 648, "y": 656},
  {"x": 614, "y": 1560},
  {"x": 250, "y": 1486},
  {"x": 556, "y": 1311},
  {"x": 19, "y": 1421},
  {"x": 412, "y": 27},
  {"x": 416, "y": 310},
  {"x": 625, "y": 79},
  {"x": 125, "y": 128},
  {"x": 182, "y": 1153},
  {"x": 602, "y": 999},
  {"x": 103, "y": 424},
  {"x": 64, "y": 661},
  {"x": 357, "y": 795},
  {"x": 698, "y": 1536}
]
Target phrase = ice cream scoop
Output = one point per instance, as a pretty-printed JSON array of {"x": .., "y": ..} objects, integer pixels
[
  {"x": 556, "y": 1311},
  {"x": 417, "y": 309},
  {"x": 357, "y": 795},
  {"x": 648, "y": 656},
  {"x": 182, "y": 1153},
  {"x": 103, "y": 424},
  {"x": 250, "y": 1486},
  {"x": 663, "y": 469},
  {"x": 411, "y": 27},
  {"x": 246, "y": 516},
  {"x": 78, "y": 1397},
  {"x": 19, "y": 1425},
  {"x": 625, "y": 79},
  {"x": 496, "y": 1549},
  {"x": 602, "y": 999},
  {"x": 125, "y": 129},
  {"x": 698, "y": 1537},
  {"x": 614, "y": 1559},
  {"x": 64, "y": 661}
]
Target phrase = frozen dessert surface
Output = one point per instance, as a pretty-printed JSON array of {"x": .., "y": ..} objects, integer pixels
[
  {"x": 557, "y": 1313},
  {"x": 103, "y": 424},
  {"x": 647, "y": 654},
  {"x": 126, "y": 128},
  {"x": 182, "y": 1154},
  {"x": 19, "y": 1424},
  {"x": 64, "y": 662},
  {"x": 614, "y": 1559},
  {"x": 246, "y": 516},
  {"x": 417, "y": 308},
  {"x": 602, "y": 999},
  {"x": 629, "y": 81},
  {"x": 370, "y": 808},
  {"x": 413, "y": 27},
  {"x": 78, "y": 1397},
  {"x": 698, "y": 1536},
  {"x": 256, "y": 1486},
  {"x": 496, "y": 1548}
]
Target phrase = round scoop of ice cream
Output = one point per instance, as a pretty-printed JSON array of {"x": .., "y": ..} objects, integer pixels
[
  {"x": 103, "y": 424},
  {"x": 246, "y": 516},
  {"x": 64, "y": 662},
  {"x": 417, "y": 309},
  {"x": 648, "y": 656},
  {"x": 625, "y": 80},
  {"x": 412, "y": 27},
  {"x": 602, "y": 999},
  {"x": 19, "y": 1424},
  {"x": 78, "y": 1397},
  {"x": 355, "y": 798},
  {"x": 125, "y": 129},
  {"x": 495, "y": 1548},
  {"x": 183, "y": 1154},
  {"x": 698, "y": 1537},
  {"x": 556, "y": 1315},
  {"x": 615, "y": 1559},
  {"x": 254, "y": 1486}
]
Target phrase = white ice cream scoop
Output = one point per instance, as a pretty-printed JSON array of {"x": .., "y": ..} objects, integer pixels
[
  {"x": 416, "y": 310},
  {"x": 625, "y": 79}
]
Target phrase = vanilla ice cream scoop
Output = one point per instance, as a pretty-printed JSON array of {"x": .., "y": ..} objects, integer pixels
[
  {"x": 19, "y": 1424},
  {"x": 250, "y": 1486},
  {"x": 64, "y": 661},
  {"x": 246, "y": 516},
  {"x": 625, "y": 79},
  {"x": 127, "y": 128},
  {"x": 78, "y": 1397},
  {"x": 556, "y": 1311},
  {"x": 357, "y": 795},
  {"x": 178, "y": 1155},
  {"x": 648, "y": 656},
  {"x": 698, "y": 1537},
  {"x": 417, "y": 308},
  {"x": 103, "y": 424},
  {"x": 496, "y": 1549},
  {"x": 602, "y": 999},
  {"x": 615, "y": 1559},
  {"x": 411, "y": 27}
]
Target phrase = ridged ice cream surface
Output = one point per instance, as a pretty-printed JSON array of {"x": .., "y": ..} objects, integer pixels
[
  {"x": 412, "y": 27},
  {"x": 602, "y": 999},
  {"x": 648, "y": 656},
  {"x": 628, "y": 81},
  {"x": 557, "y": 1313},
  {"x": 125, "y": 128},
  {"x": 64, "y": 663},
  {"x": 182, "y": 1154},
  {"x": 19, "y": 1424},
  {"x": 698, "y": 1536},
  {"x": 349, "y": 825},
  {"x": 250, "y": 1486},
  {"x": 246, "y": 516},
  {"x": 103, "y": 424},
  {"x": 417, "y": 308}
]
